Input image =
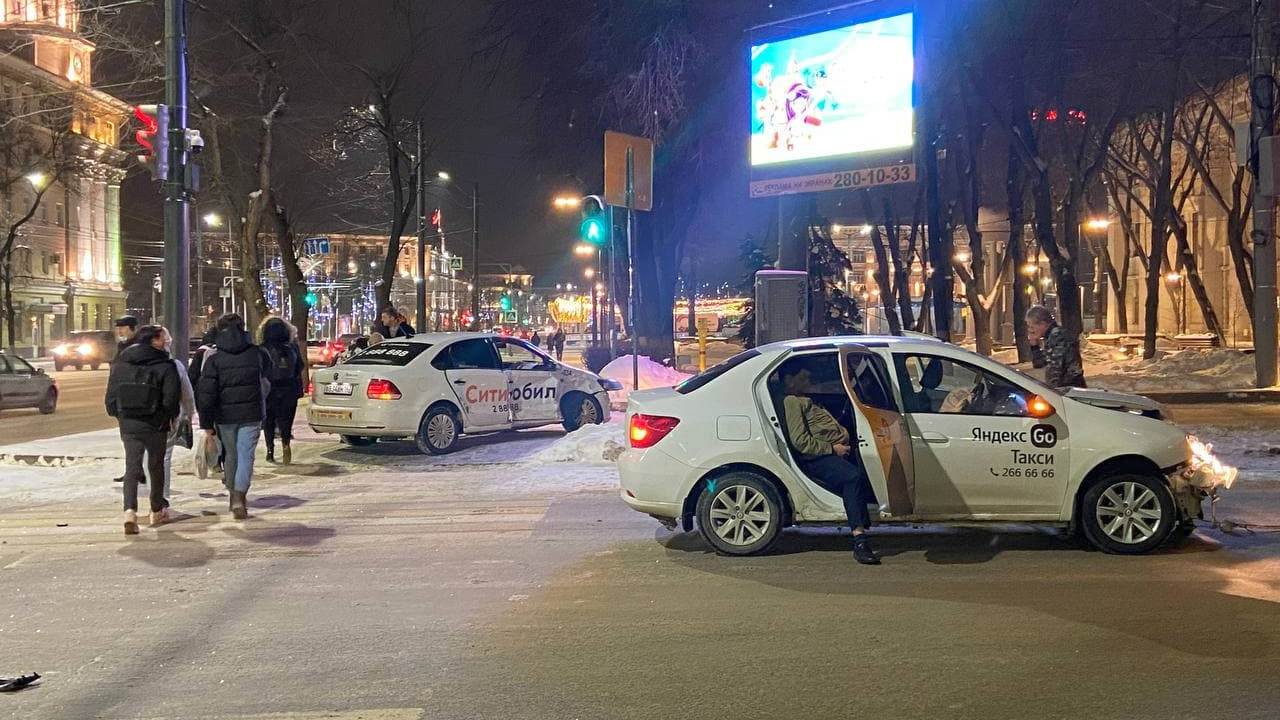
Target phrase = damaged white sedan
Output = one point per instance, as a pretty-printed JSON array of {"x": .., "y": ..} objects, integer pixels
[{"x": 946, "y": 435}]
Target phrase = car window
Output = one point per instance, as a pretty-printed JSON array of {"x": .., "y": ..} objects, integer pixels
[
  {"x": 715, "y": 371},
  {"x": 472, "y": 355},
  {"x": 21, "y": 366},
  {"x": 870, "y": 381},
  {"x": 392, "y": 354},
  {"x": 939, "y": 385},
  {"x": 518, "y": 356},
  {"x": 4, "y": 365}
]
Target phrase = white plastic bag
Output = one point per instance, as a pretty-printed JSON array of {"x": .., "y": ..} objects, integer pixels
[{"x": 206, "y": 455}]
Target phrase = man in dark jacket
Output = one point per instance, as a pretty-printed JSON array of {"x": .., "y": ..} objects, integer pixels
[
  {"x": 392, "y": 324},
  {"x": 126, "y": 331},
  {"x": 1054, "y": 349},
  {"x": 231, "y": 400},
  {"x": 144, "y": 394}
]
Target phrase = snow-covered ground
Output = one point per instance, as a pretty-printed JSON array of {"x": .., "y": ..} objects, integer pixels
[
  {"x": 1179, "y": 370},
  {"x": 652, "y": 375}
]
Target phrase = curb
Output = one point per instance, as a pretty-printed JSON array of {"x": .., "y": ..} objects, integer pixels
[{"x": 1215, "y": 396}]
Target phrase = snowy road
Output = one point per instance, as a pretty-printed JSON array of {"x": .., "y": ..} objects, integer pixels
[{"x": 377, "y": 583}]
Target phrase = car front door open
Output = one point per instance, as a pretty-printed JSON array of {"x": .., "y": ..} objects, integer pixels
[{"x": 883, "y": 441}]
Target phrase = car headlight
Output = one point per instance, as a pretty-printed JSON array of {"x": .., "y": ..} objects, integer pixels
[
  {"x": 1205, "y": 470},
  {"x": 610, "y": 385},
  {"x": 60, "y": 350},
  {"x": 85, "y": 349}
]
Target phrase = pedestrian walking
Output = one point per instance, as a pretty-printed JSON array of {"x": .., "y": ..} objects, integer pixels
[
  {"x": 231, "y": 399},
  {"x": 181, "y": 432},
  {"x": 286, "y": 387},
  {"x": 144, "y": 395},
  {"x": 557, "y": 341},
  {"x": 536, "y": 339},
  {"x": 1054, "y": 349},
  {"x": 206, "y": 344}
]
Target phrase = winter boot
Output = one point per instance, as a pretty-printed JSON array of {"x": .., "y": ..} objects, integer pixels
[
  {"x": 271, "y": 452},
  {"x": 130, "y": 522},
  {"x": 239, "y": 501},
  {"x": 286, "y": 453}
]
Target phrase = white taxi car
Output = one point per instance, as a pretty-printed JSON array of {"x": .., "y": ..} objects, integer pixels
[
  {"x": 945, "y": 435},
  {"x": 434, "y": 387}
]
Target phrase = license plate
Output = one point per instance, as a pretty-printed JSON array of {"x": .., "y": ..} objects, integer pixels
[
  {"x": 331, "y": 414},
  {"x": 337, "y": 389}
]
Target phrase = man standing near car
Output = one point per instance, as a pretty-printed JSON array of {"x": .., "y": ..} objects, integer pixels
[
  {"x": 1053, "y": 349},
  {"x": 126, "y": 329},
  {"x": 828, "y": 456},
  {"x": 392, "y": 324}
]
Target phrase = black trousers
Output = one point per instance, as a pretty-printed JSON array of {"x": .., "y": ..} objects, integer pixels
[
  {"x": 137, "y": 446},
  {"x": 281, "y": 411},
  {"x": 846, "y": 479}
]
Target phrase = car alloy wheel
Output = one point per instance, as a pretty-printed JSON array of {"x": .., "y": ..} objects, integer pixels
[
  {"x": 580, "y": 409},
  {"x": 740, "y": 513},
  {"x": 1128, "y": 514},
  {"x": 588, "y": 412}
]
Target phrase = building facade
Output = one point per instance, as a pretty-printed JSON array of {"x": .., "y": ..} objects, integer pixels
[{"x": 64, "y": 138}]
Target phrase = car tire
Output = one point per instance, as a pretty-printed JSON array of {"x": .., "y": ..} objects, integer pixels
[
  {"x": 580, "y": 409},
  {"x": 1128, "y": 514},
  {"x": 359, "y": 440},
  {"x": 740, "y": 513},
  {"x": 439, "y": 430},
  {"x": 49, "y": 404},
  {"x": 57, "y": 366}
]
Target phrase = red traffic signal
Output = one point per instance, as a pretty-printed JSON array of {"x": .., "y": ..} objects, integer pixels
[
  {"x": 435, "y": 219},
  {"x": 153, "y": 138}
]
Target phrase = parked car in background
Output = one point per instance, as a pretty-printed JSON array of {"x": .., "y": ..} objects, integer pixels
[
  {"x": 85, "y": 348},
  {"x": 23, "y": 386},
  {"x": 318, "y": 353}
]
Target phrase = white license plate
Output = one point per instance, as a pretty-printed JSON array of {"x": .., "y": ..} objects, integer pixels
[
  {"x": 331, "y": 414},
  {"x": 337, "y": 389}
]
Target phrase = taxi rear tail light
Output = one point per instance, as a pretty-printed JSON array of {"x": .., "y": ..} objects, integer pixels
[
  {"x": 1038, "y": 407},
  {"x": 382, "y": 390},
  {"x": 646, "y": 430}
]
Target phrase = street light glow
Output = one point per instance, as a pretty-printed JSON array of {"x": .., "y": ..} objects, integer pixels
[
  {"x": 835, "y": 229},
  {"x": 566, "y": 202},
  {"x": 589, "y": 273},
  {"x": 961, "y": 257},
  {"x": 212, "y": 220},
  {"x": 1029, "y": 269},
  {"x": 1174, "y": 277},
  {"x": 583, "y": 249},
  {"x": 444, "y": 176},
  {"x": 37, "y": 179},
  {"x": 1098, "y": 224}
]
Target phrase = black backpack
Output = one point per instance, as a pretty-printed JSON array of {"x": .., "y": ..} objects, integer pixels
[
  {"x": 138, "y": 392},
  {"x": 284, "y": 369}
]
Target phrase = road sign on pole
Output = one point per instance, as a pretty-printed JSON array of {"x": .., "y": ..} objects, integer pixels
[
  {"x": 617, "y": 146},
  {"x": 316, "y": 246},
  {"x": 455, "y": 263}
]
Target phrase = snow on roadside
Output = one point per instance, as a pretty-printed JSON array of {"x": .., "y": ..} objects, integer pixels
[
  {"x": 588, "y": 445},
  {"x": 95, "y": 445},
  {"x": 652, "y": 375},
  {"x": 1184, "y": 370},
  {"x": 36, "y": 484}
]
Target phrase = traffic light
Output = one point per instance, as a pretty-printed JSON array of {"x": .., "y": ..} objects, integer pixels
[
  {"x": 311, "y": 299},
  {"x": 595, "y": 224},
  {"x": 153, "y": 139},
  {"x": 505, "y": 303}
]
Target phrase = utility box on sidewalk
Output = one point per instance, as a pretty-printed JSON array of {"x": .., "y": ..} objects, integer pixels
[{"x": 782, "y": 305}]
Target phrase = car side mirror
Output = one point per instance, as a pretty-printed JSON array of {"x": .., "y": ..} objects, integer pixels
[{"x": 1039, "y": 408}]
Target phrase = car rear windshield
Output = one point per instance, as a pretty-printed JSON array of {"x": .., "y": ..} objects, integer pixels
[
  {"x": 393, "y": 354},
  {"x": 715, "y": 371}
]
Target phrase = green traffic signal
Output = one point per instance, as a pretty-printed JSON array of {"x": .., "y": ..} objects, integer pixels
[
  {"x": 594, "y": 230},
  {"x": 311, "y": 299},
  {"x": 505, "y": 303}
]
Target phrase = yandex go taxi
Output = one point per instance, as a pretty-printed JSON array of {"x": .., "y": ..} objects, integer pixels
[
  {"x": 946, "y": 435},
  {"x": 434, "y": 387}
]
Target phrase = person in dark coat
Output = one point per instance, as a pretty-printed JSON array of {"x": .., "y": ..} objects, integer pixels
[
  {"x": 126, "y": 330},
  {"x": 144, "y": 394},
  {"x": 1054, "y": 349},
  {"x": 286, "y": 386},
  {"x": 536, "y": 339},
  {"x": 557, "y": 342},
  {"x": 392, "y": 324},
  {"x": 231, "y": 400},
  {"x": 206, "y": 344}
]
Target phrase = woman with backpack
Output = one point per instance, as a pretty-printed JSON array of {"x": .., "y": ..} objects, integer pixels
[
  {"x": 231, "y": 399},
  {"x": 286, "y": 386},
  {"x": 144, "y": 394}
]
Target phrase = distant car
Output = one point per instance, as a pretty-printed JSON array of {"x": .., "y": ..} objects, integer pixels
[
  {"x": 434, "y": 387},
  {"x": 318, "y": 353},
  {"x": 85, "y": 348},
  {"x": 23, "y": 386},
  {"x": 946, "y": 435}
]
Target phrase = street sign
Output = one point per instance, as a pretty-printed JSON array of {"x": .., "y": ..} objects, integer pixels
[
  {"x": 509, "y": 317},
  {"x": 838, "y": 180},
  {"x": 315, "y": 246},
  {"x": 615, "y": 170},
  {"x": 224, "y": 292},
  {"x": 455, "y": 263},
  {"x": 157, "y": 284}
]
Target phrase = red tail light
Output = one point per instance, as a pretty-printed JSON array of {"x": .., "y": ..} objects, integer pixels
[
  {"x": 646, "y": 430},
  {"x": 338, "y": 347},
  {"x": 382, "y": 390}
]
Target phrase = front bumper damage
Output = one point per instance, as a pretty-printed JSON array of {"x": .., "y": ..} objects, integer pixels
[{"x": 1202, "y": 476}]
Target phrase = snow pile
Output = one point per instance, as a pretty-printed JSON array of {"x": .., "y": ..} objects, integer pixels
[
  {"x": 652, "y": 375},
  {"x": 95, "y": 445},
  {"x": 588, "y": 445},
  {"x": 1187, "y": 370}
]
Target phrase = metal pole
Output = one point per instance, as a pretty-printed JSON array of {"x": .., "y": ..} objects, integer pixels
[
  {"x": 1264, "y": 246},
  {"x": 631, "y": 268},
  {"x": 177, "y": 218},
  {"x": 475, "y": 256},
  {"x": 200, "y": 273},
  {"x": 420, "y": 287}
]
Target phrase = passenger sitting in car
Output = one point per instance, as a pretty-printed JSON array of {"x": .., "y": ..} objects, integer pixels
[{"x": 827, "y": 454}]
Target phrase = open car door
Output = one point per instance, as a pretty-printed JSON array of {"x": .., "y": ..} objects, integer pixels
[{"x": 883, "y": 441}]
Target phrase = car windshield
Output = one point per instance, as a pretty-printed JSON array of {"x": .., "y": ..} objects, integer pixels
[
  {"x": 715, "y": 371},
  {"x": 393, "y": 354}
]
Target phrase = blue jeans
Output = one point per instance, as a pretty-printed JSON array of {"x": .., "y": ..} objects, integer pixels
[
  {"x": 846, "y": 479},
  {"x": 239, "y": 442}
]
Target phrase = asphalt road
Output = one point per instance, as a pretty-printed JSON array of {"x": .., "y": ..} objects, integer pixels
[
  {"x": 80, "y": 409},
  {"x": 423, "y": 589}
]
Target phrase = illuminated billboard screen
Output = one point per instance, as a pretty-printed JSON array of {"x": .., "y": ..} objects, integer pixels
[{"x": 839, "y": 92}]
